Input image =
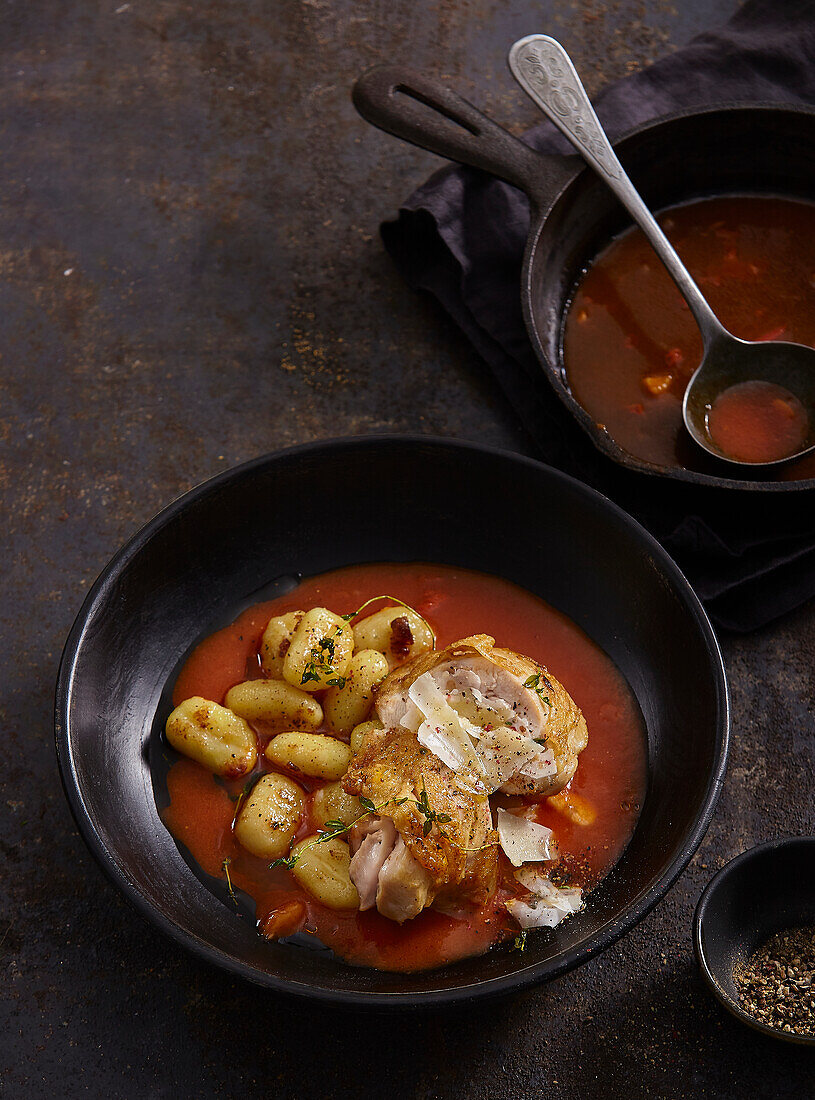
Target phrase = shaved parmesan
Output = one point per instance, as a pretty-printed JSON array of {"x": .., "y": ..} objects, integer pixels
[
  {"x": 541, "y": 765},
  {"x": 503, "y": 751},
  {"x": 523, "y": 841},
  {"x": 547, "y": 904},
  {"x": 483, "y": 738},
  {"x": 443, "y": 732}
]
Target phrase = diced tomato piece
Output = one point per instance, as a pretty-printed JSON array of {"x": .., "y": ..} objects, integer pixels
[
  {"x": 657, "y": 383},
  {"x": 283, "y": 921}
]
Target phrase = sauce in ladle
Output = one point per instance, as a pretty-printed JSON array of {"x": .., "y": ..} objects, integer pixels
[
  {"x": 757, "y": 422},
  {"x": 631, "y": 343}
]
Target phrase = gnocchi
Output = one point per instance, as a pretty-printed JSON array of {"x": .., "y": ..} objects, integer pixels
[
  {"x": 331, "y": 803},
  {"x": 320, "y": 650},
  {"x": 270, "y": 816},
  {"x": 358, "y": 733},
  {"x": 312, "y": 754},
  {"x": 400, "y": 633},
  {"x": 276, "y": 641},
  {"x": 347, "y": 705},
  {"x": 321, "y": 867},
  {"x": 213, "y": 736},
  {"x": 276, "y": 702}
]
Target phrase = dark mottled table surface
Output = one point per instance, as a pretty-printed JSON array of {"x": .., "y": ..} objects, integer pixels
[{"x": 190, "y": 275}]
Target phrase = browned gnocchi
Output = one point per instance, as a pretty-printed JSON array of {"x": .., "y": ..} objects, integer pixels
[
  {"x": 319, "y": 651},
  {"x": 349, "y": 703},
  {"x": 269, "y": 816},
  {"x": 399, "y": 633},
  {"x": 213, "y": 736},
  {"x": 312, "y": 754},
  {"x": 275, "y": 703}
]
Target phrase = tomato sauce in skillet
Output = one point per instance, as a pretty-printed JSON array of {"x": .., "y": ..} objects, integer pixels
[
  {"x": 631, "y": 344},
  {"x": 610, "y": 778}
]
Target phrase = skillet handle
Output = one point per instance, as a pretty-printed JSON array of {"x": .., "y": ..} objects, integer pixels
[{"x": 434, "y": 117}]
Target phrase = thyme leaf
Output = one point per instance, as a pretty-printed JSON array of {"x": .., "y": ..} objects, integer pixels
[
  {"x": 520, "y": 941},
  {"x": 534, "y": 682},
  {"x": 422, "y": 804},
  {"x": 321, "y": 661},
  {"x": 284, "y": 862},
  {"x": 238, "y": 799}
]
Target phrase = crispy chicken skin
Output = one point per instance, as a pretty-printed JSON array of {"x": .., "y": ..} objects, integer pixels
[
  {"x": 392, "y": 766},
  {"x": 397, "y": 863}
]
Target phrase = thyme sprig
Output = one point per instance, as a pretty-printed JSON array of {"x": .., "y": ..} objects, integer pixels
[
  {"x": 394, "y": 599},
  {"x": 534, "y": 682},
  {"x": 229, "y": 887},
  {"x": 431, "y": 817},
  {"x": 335, "y": 828},
  {"x": 238, "y": 799}
]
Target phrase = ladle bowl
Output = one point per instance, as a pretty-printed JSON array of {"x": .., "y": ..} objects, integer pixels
[{"x": 728, "y": 362}]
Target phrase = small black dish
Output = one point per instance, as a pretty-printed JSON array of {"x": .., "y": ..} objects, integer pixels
[
  {"x": 396, "y": 498},
  {"x": 763, "y": 891}
]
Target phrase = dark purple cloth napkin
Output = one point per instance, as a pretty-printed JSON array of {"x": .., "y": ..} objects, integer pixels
[{"x": 461, "y": 237}]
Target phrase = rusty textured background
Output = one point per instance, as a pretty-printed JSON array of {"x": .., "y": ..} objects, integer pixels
[{"x": 190, "y": 275}]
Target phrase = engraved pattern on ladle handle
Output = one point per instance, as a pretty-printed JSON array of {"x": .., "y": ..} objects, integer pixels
[{"x": 545, "y": 72}]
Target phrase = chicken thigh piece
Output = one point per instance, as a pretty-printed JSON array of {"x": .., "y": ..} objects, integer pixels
[
  {"x": 458, "y": 724},
  {"x": 448, "y": 857}
]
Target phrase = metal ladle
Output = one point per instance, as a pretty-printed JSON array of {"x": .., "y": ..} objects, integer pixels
[{"x": 546, "y": 73}]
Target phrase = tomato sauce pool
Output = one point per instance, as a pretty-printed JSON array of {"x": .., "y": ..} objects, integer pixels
[
  {"x": 609, "y": 784},
  {"x": 630, "y": 343}
]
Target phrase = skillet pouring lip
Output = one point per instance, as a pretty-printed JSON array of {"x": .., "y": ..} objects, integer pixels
[{"x": 370, "y": 449}]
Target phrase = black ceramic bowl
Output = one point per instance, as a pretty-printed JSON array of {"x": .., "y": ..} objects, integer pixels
[
  {"x": 318, "y": 507},
  {"x": 763, "y": 891}
]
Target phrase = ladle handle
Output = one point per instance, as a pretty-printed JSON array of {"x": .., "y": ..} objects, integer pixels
[
  {"x": 434, "y": 117},
  {"x": 546, "y": 73}
]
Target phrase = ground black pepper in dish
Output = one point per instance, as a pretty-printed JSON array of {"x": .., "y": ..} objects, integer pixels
[{"x": 777, "y": 984}]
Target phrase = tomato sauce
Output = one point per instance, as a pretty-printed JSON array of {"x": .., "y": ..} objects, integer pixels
[
  {"x": 610, "y": 779},
  {"x": 757, "y": 422},
  {"x": 631, "y": 344}
]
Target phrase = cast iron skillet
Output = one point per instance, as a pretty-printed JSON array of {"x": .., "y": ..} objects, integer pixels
[
  {"x": 220, "y": 548},
  {"x": 733, "y": 149}
]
